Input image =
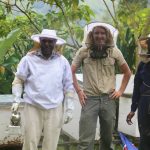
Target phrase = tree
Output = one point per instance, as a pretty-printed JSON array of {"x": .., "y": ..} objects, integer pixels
[
  {"x": 131, "y": 18},
  {"x": 67, "y": 17}
]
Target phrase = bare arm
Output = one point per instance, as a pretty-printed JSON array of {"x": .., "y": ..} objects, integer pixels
[
  {"x": 75, "y": 82},
  {"x": 126, "y": 76},
  {"x": 81, "y": 95}
]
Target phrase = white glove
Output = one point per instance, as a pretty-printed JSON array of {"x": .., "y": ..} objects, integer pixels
[
  {"x": 68, "y": 117},
  {"x": 15, "y": 107},
  {"x": 69, "y": 107},
  {"x": 17, "y": 92}
]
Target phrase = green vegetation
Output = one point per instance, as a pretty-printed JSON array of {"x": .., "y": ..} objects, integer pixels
[
  {"x": 63, "y": 16},
  {"x": 19, "y": 20},
  {"x": 131, "y": 18}
]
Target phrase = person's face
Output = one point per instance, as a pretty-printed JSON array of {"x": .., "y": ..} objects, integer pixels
[
  {"x": 143, "y": 44},
  {"x": 47, "y": 46},
  {"x": 99, "y": 35}
]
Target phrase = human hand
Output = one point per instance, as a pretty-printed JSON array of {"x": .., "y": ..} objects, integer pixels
[
  {"x": 82, "y": 98},
  {"x": 129, "y": 117},
  {"x": 115, "y": 94}
]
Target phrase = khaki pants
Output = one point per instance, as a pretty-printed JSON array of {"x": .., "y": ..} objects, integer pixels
[
  {"x": 104, "y": 108},
  {"x": 38, "y": 120}
]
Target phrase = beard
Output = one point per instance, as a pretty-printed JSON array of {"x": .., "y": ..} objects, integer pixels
[{"x": 98, "y": 51}]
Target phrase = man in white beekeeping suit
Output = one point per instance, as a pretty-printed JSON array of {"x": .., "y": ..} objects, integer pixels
[{"x": 45, "y": 79}]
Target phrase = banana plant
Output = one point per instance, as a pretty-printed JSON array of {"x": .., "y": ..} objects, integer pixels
[
  {"x": 6, "y": 43},
  {"x": 128, "y": 47},
  {"x": 7, "y": 60}
]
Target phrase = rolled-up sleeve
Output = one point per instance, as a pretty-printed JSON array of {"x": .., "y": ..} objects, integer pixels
[
  {"x": 80, "y": 55},
  {"x": 118, "y": 56},
  {"x": 22, "y": 69}
]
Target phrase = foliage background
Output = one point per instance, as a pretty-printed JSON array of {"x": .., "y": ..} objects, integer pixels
[{"x": 20, "y": 19}]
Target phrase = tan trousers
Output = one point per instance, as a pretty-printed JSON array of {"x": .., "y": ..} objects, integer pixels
[{"x": 38, "y": 120}]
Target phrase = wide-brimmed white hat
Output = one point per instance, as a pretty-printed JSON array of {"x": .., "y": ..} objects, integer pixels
[
  {"x": 89, "y": 27},
  {"x": 48, "y": 34}
]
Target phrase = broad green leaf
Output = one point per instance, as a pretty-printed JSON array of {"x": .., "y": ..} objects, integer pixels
[
  {"x": 11, "y": 61},
  {"x": 7, "y": 42}
]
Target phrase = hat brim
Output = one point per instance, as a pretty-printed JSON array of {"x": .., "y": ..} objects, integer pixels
[
  {"x": 105, "y": 25},
  {"x": 36, "y": 38}
]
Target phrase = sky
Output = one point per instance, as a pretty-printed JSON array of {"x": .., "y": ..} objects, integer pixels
[
  {"x": 97, "y": 6},
  {"x": 100, "y": 10},
  {"x": 148, "y": 3}
]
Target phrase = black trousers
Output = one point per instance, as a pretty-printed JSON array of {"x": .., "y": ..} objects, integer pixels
[{"x": 144, "y": 122}]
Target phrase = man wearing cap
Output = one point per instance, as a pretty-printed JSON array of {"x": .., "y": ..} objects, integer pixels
[
  {"x": 98, "y": 57},
  {"x": 45, "y": 79},
  {"x": 141, "y": 94}
]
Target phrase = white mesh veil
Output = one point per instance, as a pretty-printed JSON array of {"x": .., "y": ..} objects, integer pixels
[{"x": 90, "y": 26}]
